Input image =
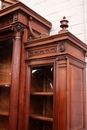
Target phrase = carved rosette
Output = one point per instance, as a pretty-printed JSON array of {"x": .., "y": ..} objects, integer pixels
[{"x": 18, "y": 29}]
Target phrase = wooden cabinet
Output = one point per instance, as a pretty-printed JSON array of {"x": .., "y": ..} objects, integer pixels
[
  {"x": 42, "y": 77},
  {"x": 55, "y": 83},
  {"x": 18, "y": 24}
]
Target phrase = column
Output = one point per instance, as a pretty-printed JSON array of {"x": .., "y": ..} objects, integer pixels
[{"x": 15, "y": 81}]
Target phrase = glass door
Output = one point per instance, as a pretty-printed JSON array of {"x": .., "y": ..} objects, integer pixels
[
  {"x": 5, "y": 81},
  {"x": 41, "y": 98}
]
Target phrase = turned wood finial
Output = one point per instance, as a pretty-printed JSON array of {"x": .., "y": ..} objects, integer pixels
[{"x": 64, "y": 23}]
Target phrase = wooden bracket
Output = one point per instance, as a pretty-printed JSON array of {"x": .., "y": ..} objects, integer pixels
[{"x": 42, "y": 35}]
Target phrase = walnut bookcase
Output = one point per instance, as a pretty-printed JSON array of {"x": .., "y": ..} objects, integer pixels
[
  {"x": 64, "y": 99},
  {"x": 18, "y": 24},
  {"x": 42, "y": 77}
]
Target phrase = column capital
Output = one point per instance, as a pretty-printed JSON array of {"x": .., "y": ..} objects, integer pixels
[{"x": 18, "y": 29}]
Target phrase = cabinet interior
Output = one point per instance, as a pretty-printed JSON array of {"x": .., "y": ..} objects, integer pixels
[
  {"x": 6, "y": 48},
  {"x": 41, "y": 98}
]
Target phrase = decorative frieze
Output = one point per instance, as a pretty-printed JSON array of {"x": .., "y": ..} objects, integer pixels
[
  {"x": 42, "y": 51},
  {"x": 9, "y": 21},
  {"x": 6, "y": 23}
]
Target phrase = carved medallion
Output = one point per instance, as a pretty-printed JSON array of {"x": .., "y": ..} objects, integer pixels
[
  {"x": 15, "y": 17},
  {"x": 62, "y": 47}
]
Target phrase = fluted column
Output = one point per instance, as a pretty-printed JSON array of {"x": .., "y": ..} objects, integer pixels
[{"x": 15, "y": 81}]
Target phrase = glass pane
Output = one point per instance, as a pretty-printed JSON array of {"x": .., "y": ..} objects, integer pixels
[
  {"x": 42, "y": 79},
  {"x": 41, "y": 98},
  {"x": 5, "y": 81}
]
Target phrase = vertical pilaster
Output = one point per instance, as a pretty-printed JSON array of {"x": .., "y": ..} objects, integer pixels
[{"x": 61, "y": 88}]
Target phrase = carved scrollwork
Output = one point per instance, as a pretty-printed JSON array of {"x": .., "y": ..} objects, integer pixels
[{"x": 32, "y": 35}]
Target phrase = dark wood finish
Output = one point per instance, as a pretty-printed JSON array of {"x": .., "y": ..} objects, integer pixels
[
  {"x": 67, "y": 54},
  {"x": 41, "y": 97},
  {"x": 54, "y": 98},
  {"x": 15, "y": 81},
  {"x": 5, "y": 81},
  {"x": 16, "y": 25},
  {"x": 7, "y": 3}
]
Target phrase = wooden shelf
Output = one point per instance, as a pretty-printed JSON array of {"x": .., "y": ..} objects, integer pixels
[
  {"x": 42, "y": 93},
  {"x": 5, "y": 85},
  {"x": 41, "y": 117},
  {"x": 4, "y": 113}
]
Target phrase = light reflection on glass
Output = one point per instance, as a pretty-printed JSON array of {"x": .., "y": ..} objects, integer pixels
[{"x": 42, "y": 78}]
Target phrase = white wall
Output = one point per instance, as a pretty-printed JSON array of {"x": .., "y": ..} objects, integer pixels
[{"x": 53, "y": 10}]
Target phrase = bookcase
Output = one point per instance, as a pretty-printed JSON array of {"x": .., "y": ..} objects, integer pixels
[
  {"x": 42, "y": 77},
  {"x": 55, "y": 91},
  {"x": 18, "y": 24}
]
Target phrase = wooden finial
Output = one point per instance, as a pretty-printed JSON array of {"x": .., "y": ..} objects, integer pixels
[{"x": 64, "y": 23}]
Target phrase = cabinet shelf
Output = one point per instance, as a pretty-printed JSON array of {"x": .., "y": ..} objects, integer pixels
[
  {"x": 42, "y": 93},
  {"x": 5, "y": 85},
  {"x": 41, "y": 98},
  {"x": 4, "y": 113},
  {"x": 40, "y": 117}
]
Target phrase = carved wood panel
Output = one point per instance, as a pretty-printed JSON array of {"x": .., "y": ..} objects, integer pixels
[
  {"x": 77, "y": 105},
  {"x": 41, "y": 51}
]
